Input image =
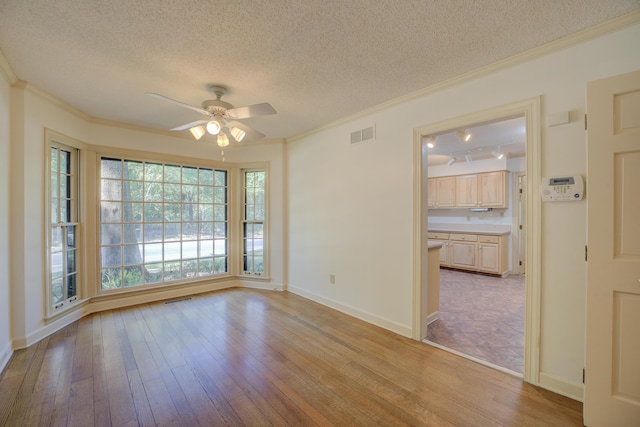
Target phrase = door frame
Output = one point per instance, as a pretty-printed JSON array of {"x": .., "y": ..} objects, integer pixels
[{"x": 530, "y": 109}]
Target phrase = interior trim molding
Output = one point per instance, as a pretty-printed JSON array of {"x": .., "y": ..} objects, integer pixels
[
  {"x": 530, "y": 109},
  {"x": 6, "y": 70},
  {"x": 604, "y": 28},
  {"x": 557, "y": 385},
  {"x": 352, "y": 311},
  {"x": 5, "y": 356}
]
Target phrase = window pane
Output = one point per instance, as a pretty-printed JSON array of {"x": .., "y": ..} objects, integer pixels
[
  {"x": 110, "y": 212},
  {"x": 172, "y": 212},
  {"x": 152, "y": 212},
  {"x": 206, "y": 212},
  {"x": 153, "y": 172},
  {"x": 206, "y": 267},
  {"x": 153, "y": 273},
  {"x": 220, "y": 212},
  {"x": 111, "y": 168},
  {"x": 110, "y": 234},
  {"x": 189, "y": 250},
  {"x": 132, "y": 212},
  {"x": 220, "y": 247},
  {"x": 71, "y": 236},
  {"x": 132, "y": 233},
  {"x": 206, "y": 230},
  {"x": 71, "y": 261},
  {"x": 133, "y": 170},
  {"x": 111, "y": 278},
  {"x": 172, "y": 231},
  {"x": 189, "y": 269},
  {"x": 172, "y": 251},
  {"x": 189, "y": 193},
  {"x": 221, "y": 229},
  {"x": 152, "y": 192},
  {"x": 189, "y": 175},
  {"x": 65, "y": 161},
  {"x": 206, "y": 248},
  {"x": 172, "y": 193},
  {"x": 189, "y": 212},
  {"x": 172, "y": 271},
  {"x": 110, "y": 256},
  {"x": 152, "y": 252},
  {"x": 206, "y": 176},
  {"x": 220, "y": 178},
  {"x": 54, "y": 160},
  {"x": 133, "y": 276},
  {"x": 71, "y": 286},
  {"x": 152, "y": 232},
  {"x": 219, "y": 265},
  {"x": 132, "y": 191},
  {"x": 57, "y": 291},
  {"x": 220, "y": 195},
  {"x": 132, "y": 254},
  {"x": 55, "y": 211},
  {"x": 171, "y": 173},
  {"x": 205, "y": 194},
  {"x": 189, "y": 231},
  {"x": 111, "y": 189}
]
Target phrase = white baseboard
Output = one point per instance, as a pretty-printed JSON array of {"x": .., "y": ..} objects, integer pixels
[
  {"x": 561, "y": 386},
  {"x": 433, "y": 317},
  {"x": 352, "y": 311},
  {"x": 5, "y": 356}
]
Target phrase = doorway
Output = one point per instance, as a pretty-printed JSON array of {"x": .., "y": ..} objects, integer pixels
[{"x": 528, "y": 109}]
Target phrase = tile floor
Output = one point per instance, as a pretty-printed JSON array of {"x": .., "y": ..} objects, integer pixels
[{"x": 482, "y": 316}]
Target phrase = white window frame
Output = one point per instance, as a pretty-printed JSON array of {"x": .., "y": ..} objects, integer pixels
[
  {"x": 246, "y": 222},
  {"x": 165, "y": 277},
  {"x": 61, "y": 142}
]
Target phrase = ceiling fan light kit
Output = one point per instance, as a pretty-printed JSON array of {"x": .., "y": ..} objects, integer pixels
[{"x": 221, "y": 118}]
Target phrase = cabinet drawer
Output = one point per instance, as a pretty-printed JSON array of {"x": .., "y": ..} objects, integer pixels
[
  {"x": 488, "y": 239},
  {"x": 438, "y": 236},
  {"x": 464, "y": 237}
]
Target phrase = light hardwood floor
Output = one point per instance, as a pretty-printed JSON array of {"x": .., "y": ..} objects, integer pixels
[{"x": 247, "y": 357}]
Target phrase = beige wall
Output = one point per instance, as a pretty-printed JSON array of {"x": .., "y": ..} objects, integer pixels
[
  {"x": 351, "y": 206},
  {"x": 5, "y": 337}
]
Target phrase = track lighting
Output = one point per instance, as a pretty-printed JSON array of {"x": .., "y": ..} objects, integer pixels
[
  {"x": 497, "y": 153},
  {"x": 465, "y": 136},
  {"x": 214, "y": 127},
  {"x": 197, "y": 132},
  {"x": 451, "y": 161},
  {"x": 468, "y": 158},
  {"x": 431, "y": 142}
]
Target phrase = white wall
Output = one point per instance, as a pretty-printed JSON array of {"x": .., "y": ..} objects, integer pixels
[
  {"x": 5, "y": 185},
  {"x": 351, "y": 206}
]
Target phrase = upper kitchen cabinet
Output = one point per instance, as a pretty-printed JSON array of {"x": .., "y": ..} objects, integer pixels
[
  {"x": 441, "y": 192},
  {"x": 483, "y": 190}
]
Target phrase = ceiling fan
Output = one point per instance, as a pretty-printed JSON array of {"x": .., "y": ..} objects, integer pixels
[{"x": 221, "y": 118}]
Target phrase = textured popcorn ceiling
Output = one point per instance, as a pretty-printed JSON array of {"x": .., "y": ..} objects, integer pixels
[{"x": 315, "y": 61}]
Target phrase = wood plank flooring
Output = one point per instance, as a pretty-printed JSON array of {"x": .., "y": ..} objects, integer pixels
[{"x": 246, "y": 357}]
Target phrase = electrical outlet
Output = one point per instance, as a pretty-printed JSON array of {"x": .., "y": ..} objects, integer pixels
[{"x": 332, "y": 279}]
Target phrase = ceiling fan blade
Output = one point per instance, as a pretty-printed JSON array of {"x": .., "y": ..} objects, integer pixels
[
  {"x": 251, "y": 133},
  {"x": 255, "y": 110},
  {"x": 181, "y": 104},
  {"x": 190, "y": 125}
]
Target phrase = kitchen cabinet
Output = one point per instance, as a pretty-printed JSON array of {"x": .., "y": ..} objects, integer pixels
[
  {"x": 441, "y": 192},
  {"x": 486, "y": 253},
  {"x": 463, "y": 251},
  {"x": 484, "y": 190},
  {"x": 444, "y": 250}
]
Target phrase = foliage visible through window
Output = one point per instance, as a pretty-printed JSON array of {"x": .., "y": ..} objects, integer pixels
[
  {"x": 63, "y": 274},
  {"x": 161, "y": 223},
  {"x": 253, "y": 222}
]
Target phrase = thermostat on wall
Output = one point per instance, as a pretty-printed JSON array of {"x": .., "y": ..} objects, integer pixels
[{"x": 562, "y": 189}]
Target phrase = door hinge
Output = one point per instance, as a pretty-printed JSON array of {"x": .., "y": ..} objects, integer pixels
[
  {"x": 583, "y": 375},
  {"x": 586, "y": 253},
  {"x": 520, "y": 226},
  {"x": 585, "y": 122},
  {"x": 520, "y": 262}
]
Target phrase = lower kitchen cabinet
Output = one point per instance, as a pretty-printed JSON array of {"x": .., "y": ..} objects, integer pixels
[{"x": 474, "y": 252}]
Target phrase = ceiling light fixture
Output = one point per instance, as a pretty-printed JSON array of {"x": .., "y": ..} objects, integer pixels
[
  {"x": 431, "y": 141},
  {"x": 468, "y": 158},
  {"x": 452, "y": 160},
  {"x": 197, "y": 132},
  {"x": 237, "y": 133},
  {"x": 497, "y": 153},
  {"x": 223, "y": 140},
  {"x": 465, "y": 136},
  {"x": 214, "y": 127}
]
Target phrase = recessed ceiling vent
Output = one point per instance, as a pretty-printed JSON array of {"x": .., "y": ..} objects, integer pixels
[{"x": 362, "y": 135}]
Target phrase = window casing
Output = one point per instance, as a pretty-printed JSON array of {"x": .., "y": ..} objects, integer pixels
[
  {"x": 161, "y": 222},
  {"x": 63, "y": 248},
  {"x": 253, "y": 221}
]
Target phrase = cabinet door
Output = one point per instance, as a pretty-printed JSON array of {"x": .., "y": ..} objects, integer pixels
[
  {"x": 463, "y": 254},
  {"x": 446, "y": 192},
  {"x": 492, "y": 189},
  {"x": 489, "y": 257},
  {"x": 467, "y": 191},
  {"x": 432, "y": 195}
]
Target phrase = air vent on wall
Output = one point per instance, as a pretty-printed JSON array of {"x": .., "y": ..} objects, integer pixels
[{"x": 366, "y": 134}]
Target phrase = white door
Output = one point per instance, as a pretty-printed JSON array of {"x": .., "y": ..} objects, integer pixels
[{"x": 612, "y": 381}]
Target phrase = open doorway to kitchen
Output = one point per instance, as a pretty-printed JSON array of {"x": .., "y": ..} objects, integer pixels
[{"x": 468, "y": 207}]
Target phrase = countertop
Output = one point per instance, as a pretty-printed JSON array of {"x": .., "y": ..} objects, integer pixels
[
  {"x": 491, "y": 229},
  {"x": 433, "y": 245}
]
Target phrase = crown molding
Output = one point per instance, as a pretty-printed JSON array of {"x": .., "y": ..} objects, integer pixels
[
  {"x": 6, "y": 70},
  {"x": 574, "y": 39}
]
